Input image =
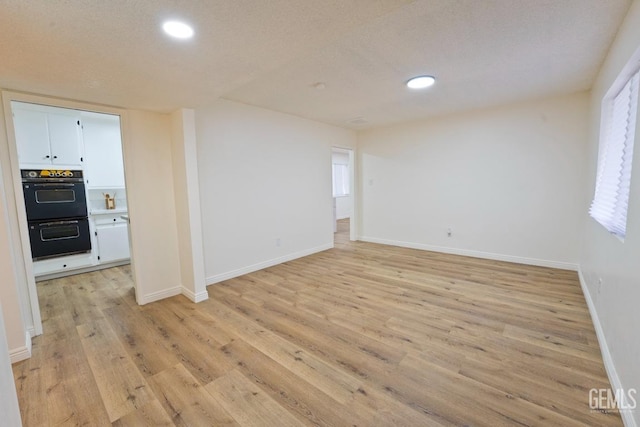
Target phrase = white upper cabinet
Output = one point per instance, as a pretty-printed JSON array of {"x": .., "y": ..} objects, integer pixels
[
  {"x": 32, "y": 137},
  {"x": 103, "y": 150},
  {"x": 47, "y": 136},
  {"x": 64, "y": 138}
]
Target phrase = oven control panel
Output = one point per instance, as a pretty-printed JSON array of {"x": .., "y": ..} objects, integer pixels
[{"x": 37, "y": 174}]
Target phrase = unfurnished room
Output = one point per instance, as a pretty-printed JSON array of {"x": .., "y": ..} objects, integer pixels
[{"x": 319, "y": 213}]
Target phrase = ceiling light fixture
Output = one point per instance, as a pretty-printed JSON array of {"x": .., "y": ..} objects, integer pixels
[
  {"x": 178, "y": 29},
  {"x": 421, "y": 82}
]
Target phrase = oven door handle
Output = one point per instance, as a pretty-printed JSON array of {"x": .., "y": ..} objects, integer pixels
[
  {"x": 53, "y": 185},
  {"x": 48, "y": 224}
]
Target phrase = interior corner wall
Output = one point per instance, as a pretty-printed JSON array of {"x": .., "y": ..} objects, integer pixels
[
  {"x": 187, "y": 202},
  {"x": 507, "y": 181},
  {"x": 265, "y": 186},
  {"x": 150, "y": 195},
  {"x": 604, "y": 257}
]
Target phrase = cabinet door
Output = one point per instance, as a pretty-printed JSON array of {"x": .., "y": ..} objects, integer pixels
[
  {"x": 32, "y": 137},
  {"x": 65, "y": 139},
  {"x": 103, "y": 151},
  {"x": 113, "y": 242}
]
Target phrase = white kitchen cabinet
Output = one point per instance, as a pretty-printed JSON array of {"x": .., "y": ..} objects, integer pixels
[
  {"x": 103, "y": 150},
  {"x": 60, "y": 265},
  {"x": 112, "y": 237},
  {"x": 47, "y": 136},
  {"x": 32, "y": 137},
  {"x": 65, "y": 139}
]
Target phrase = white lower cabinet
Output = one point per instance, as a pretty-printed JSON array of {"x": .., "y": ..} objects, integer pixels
[
  {"x": 112, "y": 237},
  {"x": 61, "y": 264}
]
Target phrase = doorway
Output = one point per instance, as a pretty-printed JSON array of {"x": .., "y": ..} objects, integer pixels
[
  {"x": 53, "y": 119},
  {"x": 343, "y": 188}
]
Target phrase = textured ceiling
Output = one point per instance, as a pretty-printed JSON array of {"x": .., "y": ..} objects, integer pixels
[{"x": 272, "y": 53}]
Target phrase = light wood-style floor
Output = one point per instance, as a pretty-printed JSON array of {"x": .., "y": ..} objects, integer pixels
[{"x": 361, "y": 335}]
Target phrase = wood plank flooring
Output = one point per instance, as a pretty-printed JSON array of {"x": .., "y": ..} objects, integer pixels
[{"x": 360, "y": 335}]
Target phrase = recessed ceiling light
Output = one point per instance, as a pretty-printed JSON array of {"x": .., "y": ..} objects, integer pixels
[
  {"x": 178, "y": 29},
  {"x": 421, "y": 82}
]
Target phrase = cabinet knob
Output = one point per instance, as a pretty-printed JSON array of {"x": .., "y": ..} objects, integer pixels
[
  {"x": 55, "y": 157},
  {"x": 47, "y": 157}
]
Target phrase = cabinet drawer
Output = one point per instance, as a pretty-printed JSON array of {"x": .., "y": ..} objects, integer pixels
[
  {"x": 106, "y": 219},
  {"x": 56, "y": 265}
]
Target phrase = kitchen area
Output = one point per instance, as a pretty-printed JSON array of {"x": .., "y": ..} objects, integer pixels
[{"x": 72, "y": 172}]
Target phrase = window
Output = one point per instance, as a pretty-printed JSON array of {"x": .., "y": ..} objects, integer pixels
[
  {"x": 611, "y": 199},
  {"x": 340, "y": 180}
]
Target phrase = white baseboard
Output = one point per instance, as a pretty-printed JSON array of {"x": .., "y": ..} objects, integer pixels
[
  {"x": 21, "y": 353},
  {"x": 270, "y": 263},
  {"x": 157, "y": 296},
  {"x": 476, "y": 254},
  {"x": 614, "y": 379},
  {"x": 199, "y": 297}
]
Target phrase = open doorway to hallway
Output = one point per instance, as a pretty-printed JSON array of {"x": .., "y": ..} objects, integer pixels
[{"x": 343, "y": 194}]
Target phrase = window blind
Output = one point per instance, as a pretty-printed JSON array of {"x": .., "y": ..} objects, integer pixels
[{"x": 611, "y": 199}]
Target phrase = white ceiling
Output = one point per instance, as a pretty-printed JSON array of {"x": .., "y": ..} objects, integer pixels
[{"x": 272, "y": 53}]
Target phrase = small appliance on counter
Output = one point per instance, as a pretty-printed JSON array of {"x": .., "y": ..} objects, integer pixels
[{"x": 56, "y": 207}]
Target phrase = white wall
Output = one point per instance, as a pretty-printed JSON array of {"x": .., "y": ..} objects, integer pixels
[
  {"x": 343, "y": 203},
  {"x": 8, "y": 398},
  {"x": 508, "y": 181},
  {"x": 151, "y": 202},
  {"x": 13, "y": 284},
  {"x": 187, "y": 198},
  {"x": 616, "y": 302},
  {"x": 263, "y": 176},
  {"x": 16, "y": 333}
]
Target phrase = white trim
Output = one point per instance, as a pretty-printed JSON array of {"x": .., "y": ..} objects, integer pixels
[
  {"x": 157, "y": 296},
  {"x": 476, "y": 254},
  {"x": 22, "y": 353},
  {"x": 199, "y": 297},
  {"x": 265, "y": 264},
  {"x": 614, "y": 379}
]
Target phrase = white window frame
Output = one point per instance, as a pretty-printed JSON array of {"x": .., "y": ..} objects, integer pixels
[{"x": 617, "y": 134}]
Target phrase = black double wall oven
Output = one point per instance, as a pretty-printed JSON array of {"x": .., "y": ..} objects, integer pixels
[{"x": 56, "y": 207}]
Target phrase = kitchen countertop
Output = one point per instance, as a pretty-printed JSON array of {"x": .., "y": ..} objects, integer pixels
[{"x": 107, "y": 211}]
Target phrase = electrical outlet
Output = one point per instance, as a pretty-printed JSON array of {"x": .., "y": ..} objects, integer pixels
[
  {"x": 278, "y": 242},
  {"x": 449, "y": 233}
]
